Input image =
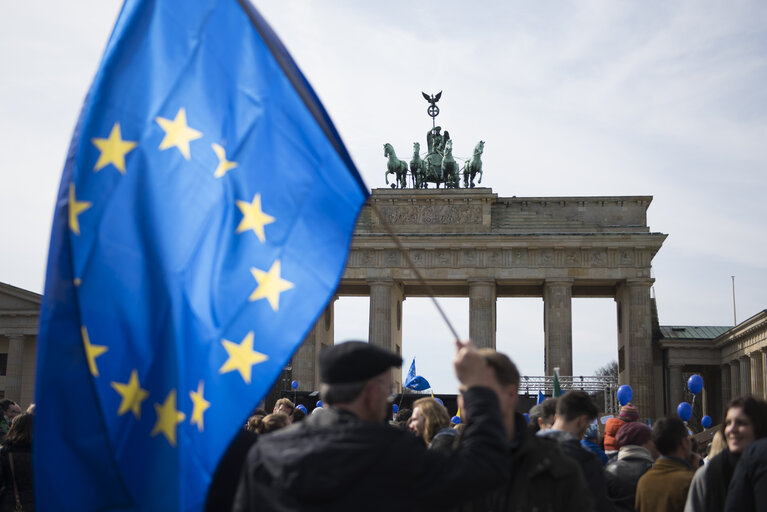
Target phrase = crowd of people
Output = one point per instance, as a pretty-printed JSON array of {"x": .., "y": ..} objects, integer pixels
[
  {"x": 354, "y": 455},
  {"x": 16, "y": 479}
]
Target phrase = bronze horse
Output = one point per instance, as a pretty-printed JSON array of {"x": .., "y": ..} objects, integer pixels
[
  {"x": 473, "y": 166},
  {"x": 395, "y": 166}
]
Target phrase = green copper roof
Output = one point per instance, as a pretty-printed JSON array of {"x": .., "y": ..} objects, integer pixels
[{"x": 693, "y": 332}]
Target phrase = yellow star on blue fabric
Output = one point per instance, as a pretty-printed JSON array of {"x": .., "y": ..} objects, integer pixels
[
  {"x": 113, "y": 150},
  {"x": 91, "y": 351},
  {"x": 178, "y": 133},
  {"x": 270, "y": 285},
  {"x": 200, "y": 405},
  {"x": 224, "y": 165},
  {"x": 253, "y": 217},
  {"x": 132, "y": 395},
  {"x": 168, "y": 418},
  {"x": 242, "y": 357},
  {"x": 75, "y": 209}
]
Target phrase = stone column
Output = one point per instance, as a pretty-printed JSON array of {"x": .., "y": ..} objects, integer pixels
[
  {"x": 482, "y": 313},
  {"x": 386, "y": 320},
  {"x": 757, "y": 378},
  {"x": 635, "y": 361},
  {"x": 763, "y": 352},
  {"x": 734, "y": 379},
  {"x": 674, "y": 386},
  {"x": 305, "y": 363},
  {"x": 726, "y": 386},
  {"x": 558, "y": 326},
  {"x": 745, "y": 375},
  {"x": 14, "y": 368}
]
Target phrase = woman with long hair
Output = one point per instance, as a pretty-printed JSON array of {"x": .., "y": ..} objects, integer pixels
[
  {"x": 16, "y": 463},
  {"x": 431, "y": 423},
  {"x": 745, "y": 421}
]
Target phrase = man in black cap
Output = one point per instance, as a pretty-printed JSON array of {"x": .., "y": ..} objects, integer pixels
[{"x": 350, "y": 458}]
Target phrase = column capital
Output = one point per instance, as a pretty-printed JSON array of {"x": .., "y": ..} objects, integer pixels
[
  {"x": 383, "y": 281},
  {"x": 560, "y": 281},
  {"x": 481, "y": 280},
  {"x": 640, "y": 281}
]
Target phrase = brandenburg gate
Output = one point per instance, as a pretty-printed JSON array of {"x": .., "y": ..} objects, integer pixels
[{"x": 472, "y": 243}]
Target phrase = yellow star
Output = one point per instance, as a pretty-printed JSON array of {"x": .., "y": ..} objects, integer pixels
[
  {"x": 92, "y": 352},
  {"x": 177, "y": 133},
  {"x": 270, "y": 285},
  {"x": 132, "y": 395},
  {"x": 242, "y": 357},
  {"x": 253, "y": 217},
  {"x": 75, "y": 208},
  {"x": 168, "y": 417},
  {"x": 113, "y": 150},
  {"x": 224, "y": 165},
  {"x": 200, "y": 405}
]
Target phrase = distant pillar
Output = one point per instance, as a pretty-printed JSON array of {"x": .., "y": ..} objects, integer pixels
[
  {"x": 482, "y": 313},
  {"x": 763, "y": 352},
  {"x": 558, "y": 326},
  {"x": 726, "y": 386},
  {"x": 745, "y": 375},
  {"x": 674, "y": 386},
  {"x": 305, "y": 361},
  {"x": 757, "y": 382},
  {"x": 14, "y": 367},
  {"x": 735, "y": 379},
  {"x": 386, "y": 320},
  {"x": 635, "y": 362}
]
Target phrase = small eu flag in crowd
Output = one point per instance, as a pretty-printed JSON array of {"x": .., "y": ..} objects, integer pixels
[
  {"x": 415, "y": 382},
  {"x": 202, "y": 224}
]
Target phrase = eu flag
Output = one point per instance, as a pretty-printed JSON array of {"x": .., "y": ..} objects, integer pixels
[
  {"x": 202, "y": 224},
  {"x": 415, "y": 382}
]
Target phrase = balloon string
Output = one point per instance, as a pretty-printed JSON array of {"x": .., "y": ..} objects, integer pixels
[{"x": 419, "y": 277}]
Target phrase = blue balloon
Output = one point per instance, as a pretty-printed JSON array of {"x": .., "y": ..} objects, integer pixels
[
  {"x": 527, "y": 418},
  {"x": 684, "y": 410},
  {"x": 294, "y": 384},
  {"x": 705, "y": 421},
  {"x": 695, "y": 384},
  {"x": 625, "y": 394},
  {"x": 319, "y": 403},
  {"x": 302, "y": 408},
  {"x": 440, "y": 401},
  {"x": 395, "y": 408},
  {"x": 455, "y": 420}
]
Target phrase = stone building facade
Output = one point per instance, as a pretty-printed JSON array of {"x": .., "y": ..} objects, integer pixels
[
  {"x": 472, "y": 243},
  {"x": 19, "y": 316},
  {"x": 731, "y": 360}
]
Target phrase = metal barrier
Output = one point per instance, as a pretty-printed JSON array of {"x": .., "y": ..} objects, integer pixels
[{"x": 602, "y": 388}]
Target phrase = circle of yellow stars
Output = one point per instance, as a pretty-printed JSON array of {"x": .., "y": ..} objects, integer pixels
[{"x": 241, "y": 357}]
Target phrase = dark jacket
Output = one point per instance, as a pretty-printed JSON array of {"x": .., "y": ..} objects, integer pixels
[
  {"x": 22, "y": 468},
  {"x": 335, "y": 461},
  {"x": 542, "y": 479},
  {"x": 748, "y": 487},
  {"x": 590, "y": 465},
  {"x": 622, "y": 475}
]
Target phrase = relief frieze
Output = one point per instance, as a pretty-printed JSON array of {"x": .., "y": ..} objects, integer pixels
[{"x": 432, "y": 214}]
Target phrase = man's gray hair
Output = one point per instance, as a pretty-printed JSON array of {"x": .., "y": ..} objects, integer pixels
[{"x": 341, "y": 393}]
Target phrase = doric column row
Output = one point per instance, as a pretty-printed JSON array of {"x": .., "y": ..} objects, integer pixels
[
  {"x": 14, "y": 367},
  {"x": 746, "y": 375}
]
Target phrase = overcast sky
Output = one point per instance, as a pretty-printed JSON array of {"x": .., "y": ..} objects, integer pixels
[{"x": 572, "y": 98}]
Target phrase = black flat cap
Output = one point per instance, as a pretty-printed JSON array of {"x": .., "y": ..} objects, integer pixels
[{"x": 355, "y": 361}]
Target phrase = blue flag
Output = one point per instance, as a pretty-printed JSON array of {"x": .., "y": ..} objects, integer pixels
[
  {"x": 202, "y": 224},
  {"x": 541, "y": 397},
  {"x": 415, "y": 382}
]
